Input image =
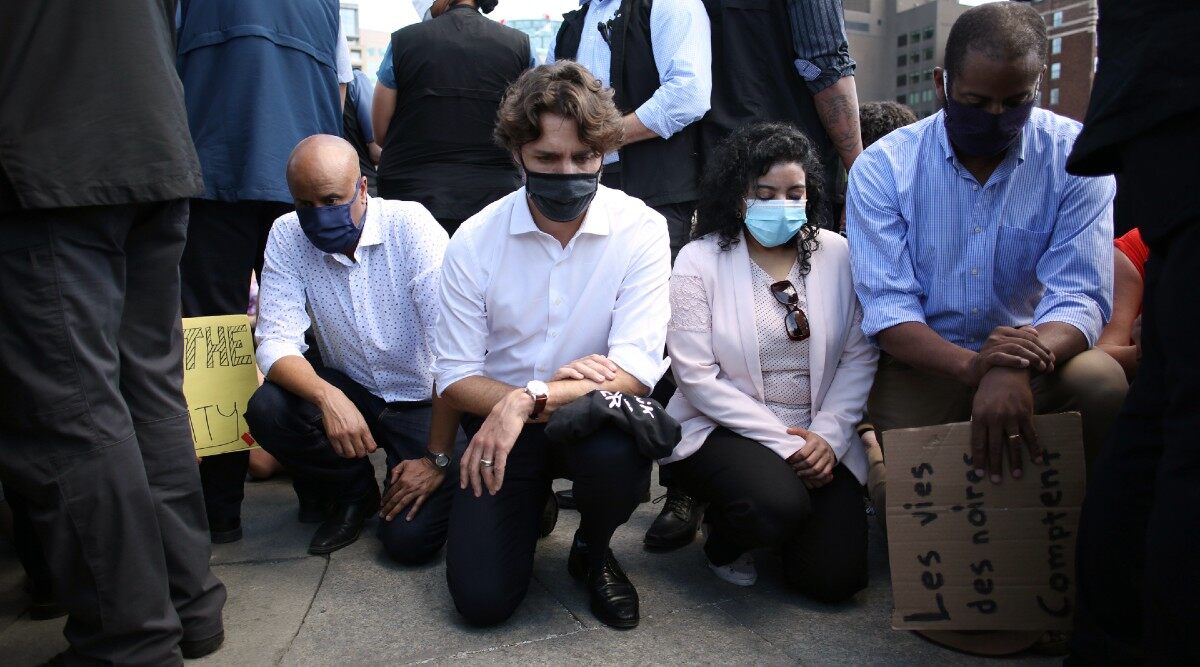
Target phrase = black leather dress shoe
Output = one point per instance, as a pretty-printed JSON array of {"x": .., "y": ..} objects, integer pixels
[
  {"x": 198, "y": 648},
  {"x": 344, "y": 524},
  {"x": 676, "y": 525},
  {"x": 614, "y": 600},
  {"x": 224, "y": 531}
]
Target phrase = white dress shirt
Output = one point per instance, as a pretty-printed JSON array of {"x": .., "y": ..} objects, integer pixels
[
  {"x": 517, "y": 305},
  {"x": 373, "y": 317}
]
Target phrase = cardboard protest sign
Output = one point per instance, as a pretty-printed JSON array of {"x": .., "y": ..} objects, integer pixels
[
  {"x": 967, "y": 554},
  {"x": 219, "y": 375}
]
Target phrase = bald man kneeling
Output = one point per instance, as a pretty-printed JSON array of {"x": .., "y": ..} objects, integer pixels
[{"x": 364, "y": 273}]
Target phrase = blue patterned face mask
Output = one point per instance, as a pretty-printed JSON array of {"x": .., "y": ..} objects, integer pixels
[
  {"x": 775, "y": 222},
  {"x": 331, "y": 228}
]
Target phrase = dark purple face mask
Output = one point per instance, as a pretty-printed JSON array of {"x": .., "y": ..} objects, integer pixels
[{"x": 979, "y": 133}]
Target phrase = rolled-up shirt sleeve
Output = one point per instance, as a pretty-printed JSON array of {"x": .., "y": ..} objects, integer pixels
[
  {"x": 819, "y": 38},
  {"x": 386, "y": 75},
  {"x": 882, "y": 267},
  {"x": 282, "y": 314},
  {"x": 1076, "y": 271},
  {"x": 460, "y": 340},
  {"x": 643, "y": 308},
  {"x": 680, "y": 37}
]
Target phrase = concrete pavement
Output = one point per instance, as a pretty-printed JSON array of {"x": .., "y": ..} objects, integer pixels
[{"x": 357, "y": 608}]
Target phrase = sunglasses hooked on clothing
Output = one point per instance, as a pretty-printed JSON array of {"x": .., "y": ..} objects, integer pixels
[{"x": 794, "y": 321}]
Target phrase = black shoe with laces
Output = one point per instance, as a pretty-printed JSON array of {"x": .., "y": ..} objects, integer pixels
[
  {"x": 676, "y": 525},
  {"x": 614, "y": 600}
]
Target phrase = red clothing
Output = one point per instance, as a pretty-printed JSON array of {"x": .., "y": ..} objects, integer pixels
[{"x": 1135, "y": 249}]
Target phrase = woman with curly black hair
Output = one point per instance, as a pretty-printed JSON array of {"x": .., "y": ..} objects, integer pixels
[{"x": 773, "y": 370}]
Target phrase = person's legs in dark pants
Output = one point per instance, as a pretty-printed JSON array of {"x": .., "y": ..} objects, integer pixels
[
  {"x": 69, "y": 443},
  {"x": 417, "y": 541},
  {"x": 491, "y": 539},
  {"x": 33, "y": 560},
  {"x": 225, "y": 243},
  {"x": 610, "y": 476},
  {"x": 151, "y": 348},
  {"x": 827, "y": 559},
  {"x": 755, "y": 498},
  {"x": 679, "y": 223},
  {"x": 343, "y": 492},
  {"x": 1136, "y": 598}
]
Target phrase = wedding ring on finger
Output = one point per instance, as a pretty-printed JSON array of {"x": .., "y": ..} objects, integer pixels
[
  {"x": 486, "y": 463},
  {"x": 1014, "y": 437}
]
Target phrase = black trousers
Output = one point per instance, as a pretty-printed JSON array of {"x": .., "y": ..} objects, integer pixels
[
  {"x": 678, "y": 215},
  {"x": 225, "y": 242},
  {"x": 29, "y": 549},
  {"x": 291, "y": 429},
  {"x": 1139, "y": 535},
  {"x": 94, "y": 430},
  {"x": 489, "y": 554},
  {"x": 756, "y": 500}
]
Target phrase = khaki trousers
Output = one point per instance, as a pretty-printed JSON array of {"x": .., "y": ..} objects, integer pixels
[{"x": 1091, "y": 383}]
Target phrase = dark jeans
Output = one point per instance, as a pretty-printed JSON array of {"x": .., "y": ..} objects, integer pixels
[
  {"x": 225, "y": 242},
  {"x": 756, "y": 500},
  {"x": 291, "y": 429},
  {"x": 94, "y": 430},
  {"x": 1139, "y": 533},
  {"x": 489, "y": 555}
]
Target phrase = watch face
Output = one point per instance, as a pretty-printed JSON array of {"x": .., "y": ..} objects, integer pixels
[
  {"x": 441, "y": 460},
  {"x": 538, "y": 388}
]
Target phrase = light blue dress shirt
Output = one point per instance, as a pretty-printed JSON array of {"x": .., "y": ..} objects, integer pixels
[
  {"x": 929, "y": 244},
  {"x": 681, "y": 41}
]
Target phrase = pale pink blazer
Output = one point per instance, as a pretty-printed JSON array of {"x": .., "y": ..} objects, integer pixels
[{"x": 719, "y": 374}]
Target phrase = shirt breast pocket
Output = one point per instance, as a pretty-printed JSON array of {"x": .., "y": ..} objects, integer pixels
[{"x": 1017, "y": 254}]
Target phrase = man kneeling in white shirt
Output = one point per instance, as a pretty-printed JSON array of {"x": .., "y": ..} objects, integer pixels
[
  {"x": 367, "y": 271},
  {"x": 560, "y": 270}
]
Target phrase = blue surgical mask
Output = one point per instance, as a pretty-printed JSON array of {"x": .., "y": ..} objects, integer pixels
[
  {"x": 330, "y": 228},
  {"x": 776, "y": 221}
]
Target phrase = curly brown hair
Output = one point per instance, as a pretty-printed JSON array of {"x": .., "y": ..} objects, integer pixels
[{"x": 566, "y": 89}]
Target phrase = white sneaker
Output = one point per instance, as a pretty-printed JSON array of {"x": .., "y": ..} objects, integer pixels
[{"x": 740, "y": 572}]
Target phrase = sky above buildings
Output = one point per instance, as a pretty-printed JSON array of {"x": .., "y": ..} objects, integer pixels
[{"x": 388, "y": 15}]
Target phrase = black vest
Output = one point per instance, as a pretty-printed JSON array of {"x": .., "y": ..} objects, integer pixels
[
  {"x": 451, "y": 73},
  {"x": 657, "y": 171},
  {"x": 755, "y": 78}
]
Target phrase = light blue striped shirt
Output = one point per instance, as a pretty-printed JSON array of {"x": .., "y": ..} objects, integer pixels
[
  {"x": 929, "y": 244},
  {"x": 680, "y": 39}
]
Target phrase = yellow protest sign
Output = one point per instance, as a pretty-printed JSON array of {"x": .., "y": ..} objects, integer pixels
[{"x": 219, "y": 375}]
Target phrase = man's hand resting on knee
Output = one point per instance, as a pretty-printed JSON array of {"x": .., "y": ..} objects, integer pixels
[
  {"x": 344, "y": 425},
  {"x": 483, "y": 463},
  {"x": 412, "y": 482}
]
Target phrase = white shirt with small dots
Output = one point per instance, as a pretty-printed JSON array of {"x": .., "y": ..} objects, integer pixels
[{"x": 373, "y": 318}]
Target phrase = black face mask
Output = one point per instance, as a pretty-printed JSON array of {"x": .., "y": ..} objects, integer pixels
[
  {"x": 980, "y": 133},
  {"x": 561, "y": 197}
]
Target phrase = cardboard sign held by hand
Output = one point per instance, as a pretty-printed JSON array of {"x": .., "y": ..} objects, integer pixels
[
  {"x": 967, "y": 554},
  {"x": 219, "y": 375}
]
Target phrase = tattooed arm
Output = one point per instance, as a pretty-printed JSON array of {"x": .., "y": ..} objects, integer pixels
[{"x": 838, "y": 107}]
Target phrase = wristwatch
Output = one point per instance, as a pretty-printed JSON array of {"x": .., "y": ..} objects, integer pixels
[
  {"x": 439, "y": 460},
  {"x": 539, "y": 392}
]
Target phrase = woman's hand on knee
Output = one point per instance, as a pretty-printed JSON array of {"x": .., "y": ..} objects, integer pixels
[{"x": 814, "y": 461}]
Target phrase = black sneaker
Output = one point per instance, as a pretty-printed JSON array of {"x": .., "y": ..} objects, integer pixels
[{"x": 676, "y": 525}]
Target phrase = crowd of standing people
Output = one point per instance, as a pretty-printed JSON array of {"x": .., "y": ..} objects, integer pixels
[{"x": 502, "y": 273}]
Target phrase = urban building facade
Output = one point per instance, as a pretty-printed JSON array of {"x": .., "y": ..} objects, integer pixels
[{"x": 1071, "y": 65}]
